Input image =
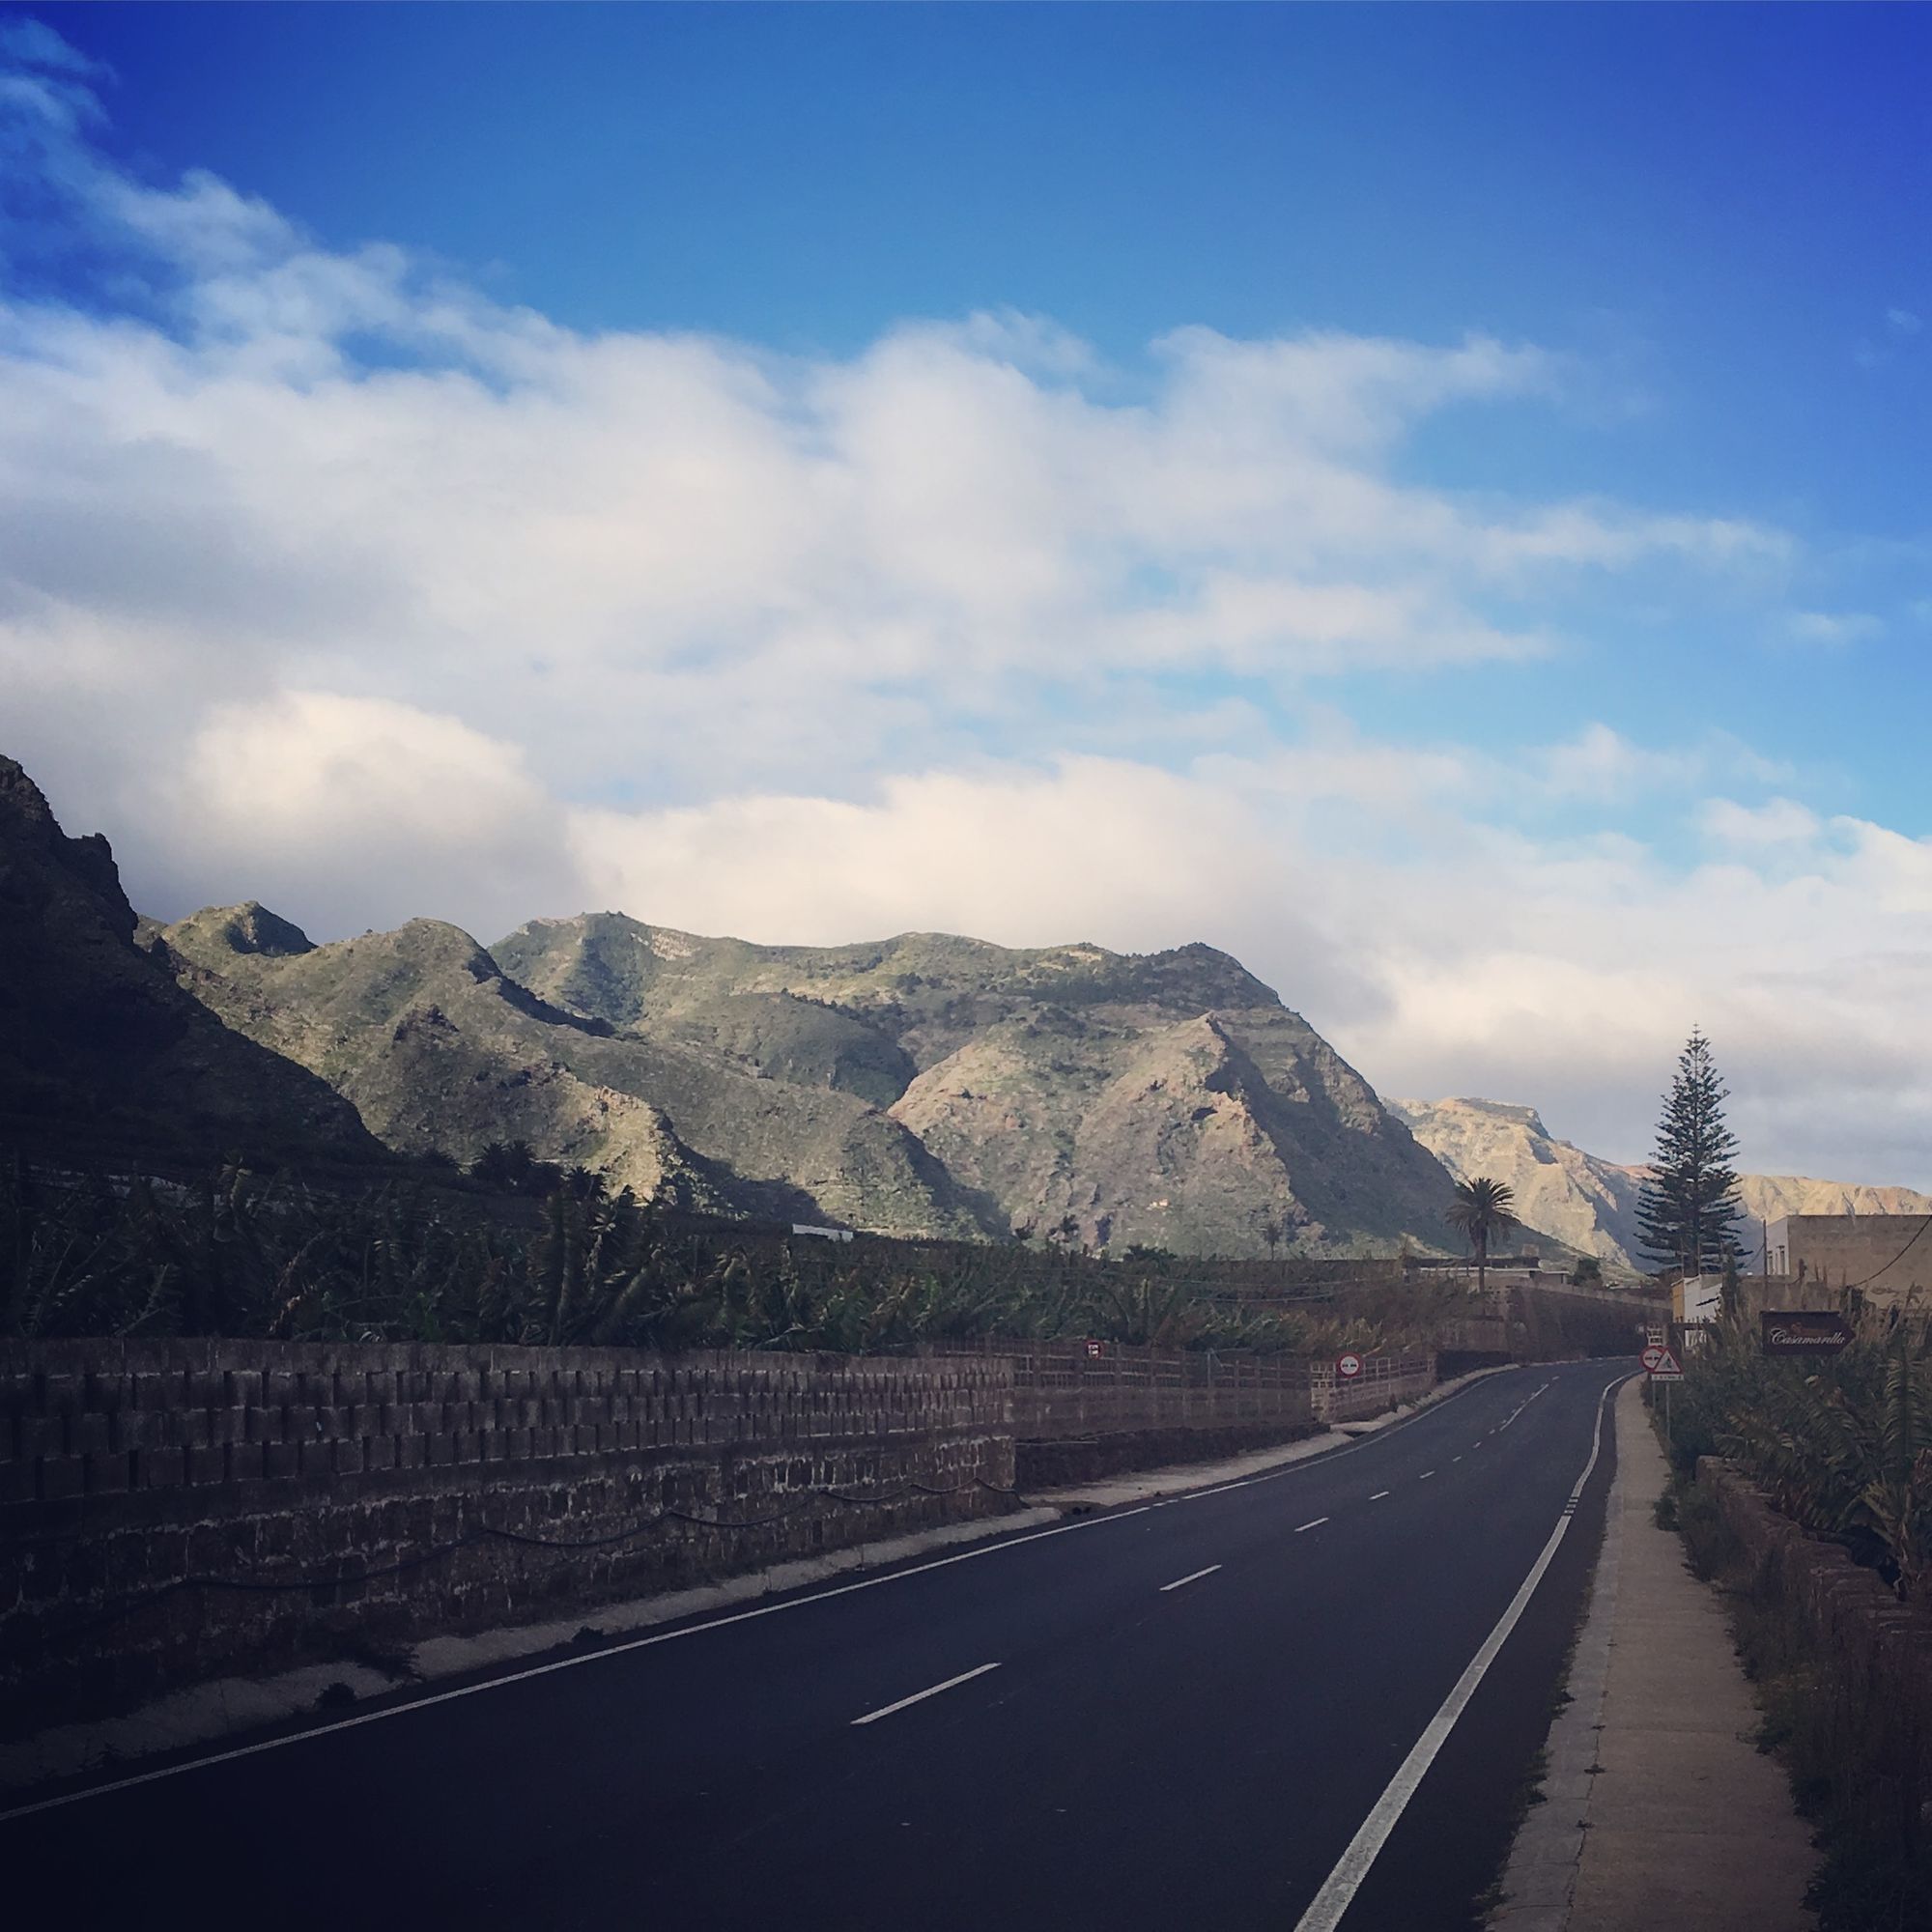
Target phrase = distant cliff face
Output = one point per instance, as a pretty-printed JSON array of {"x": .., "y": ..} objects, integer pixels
[
  {"x": 1589, "y": 1202},
  {"x": 98, "y": 1045}
]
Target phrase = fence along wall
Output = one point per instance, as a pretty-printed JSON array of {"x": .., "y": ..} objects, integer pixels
[
  {"x": 405, "y": 1488},
  {"x": 1061, "y": 1390},
  {"x": 1080, "y": 1415}
]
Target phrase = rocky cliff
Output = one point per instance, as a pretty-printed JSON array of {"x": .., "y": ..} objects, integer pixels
[
  {"x": 99, "y": 1048},
  {"x": 1590, "y": 1202}
]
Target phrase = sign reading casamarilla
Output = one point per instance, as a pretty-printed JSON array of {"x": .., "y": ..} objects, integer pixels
[{"x": 1804, "y": 1331}]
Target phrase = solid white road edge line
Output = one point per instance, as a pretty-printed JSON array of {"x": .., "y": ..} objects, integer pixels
[
  {"x": 1195, "y": 1578},
  {"x": 1316, "y": 1524},
  {"x": 1339, "y": 1888},
  {"x": 919, "y": 1696}
]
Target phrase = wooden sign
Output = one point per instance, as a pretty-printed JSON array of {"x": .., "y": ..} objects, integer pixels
[{"x": 1804, "y": 1331}]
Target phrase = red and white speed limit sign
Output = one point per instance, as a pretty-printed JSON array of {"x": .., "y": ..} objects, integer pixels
[{"x": 1348, "y": 1366}]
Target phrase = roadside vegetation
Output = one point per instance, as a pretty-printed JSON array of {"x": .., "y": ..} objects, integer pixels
[
  {"x": 1844, "y": 1447},
  {"x": 522, "y": 1251}
]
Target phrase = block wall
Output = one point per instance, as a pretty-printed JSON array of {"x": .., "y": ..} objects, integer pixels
[{"x": 172, "y": 1508}]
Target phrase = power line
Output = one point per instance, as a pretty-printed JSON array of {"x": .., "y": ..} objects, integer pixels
[{"x": 1893, "y": 1262}]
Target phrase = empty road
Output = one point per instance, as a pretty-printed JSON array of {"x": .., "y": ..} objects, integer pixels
[{"x": 1184, "y": 1713}]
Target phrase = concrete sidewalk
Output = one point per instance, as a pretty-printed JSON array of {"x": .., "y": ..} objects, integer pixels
[{"x": 1658, "y": 1809}]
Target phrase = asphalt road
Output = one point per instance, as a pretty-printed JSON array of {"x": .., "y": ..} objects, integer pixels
[{"x": 1173, "y": 1715}]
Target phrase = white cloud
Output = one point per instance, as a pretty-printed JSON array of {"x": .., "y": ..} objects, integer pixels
[
  {"x": 366, "y": 812},
  {"x": 1833, "y": 628},
  {"x": 31, "y": 44},
  {"x": 1904, "y": 320},
  {"x": 509, "y": 619},
  {"x": 1778, "y": 821}
]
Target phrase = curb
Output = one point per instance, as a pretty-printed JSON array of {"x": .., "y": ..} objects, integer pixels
[{"x": 1538, "y": 1880}]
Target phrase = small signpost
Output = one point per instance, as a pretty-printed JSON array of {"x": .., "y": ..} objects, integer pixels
[
  {"x": 1349, "y": 1367},
  {"x": 1661, "y": 1364}
]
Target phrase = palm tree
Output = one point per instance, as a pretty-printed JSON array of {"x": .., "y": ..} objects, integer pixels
[{"x": 1482, "y": 1211}]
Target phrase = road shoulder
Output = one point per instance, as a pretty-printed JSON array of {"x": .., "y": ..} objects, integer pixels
[{"x": 1658, "y": 1809}]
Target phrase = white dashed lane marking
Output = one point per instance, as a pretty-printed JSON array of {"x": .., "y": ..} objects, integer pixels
[
  {"x": 919, "y": 1696},
  {"x": 1194, "y": 1579}
]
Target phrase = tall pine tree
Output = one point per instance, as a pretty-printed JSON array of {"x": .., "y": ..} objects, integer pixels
[{"x": 1688, "y": 1203}]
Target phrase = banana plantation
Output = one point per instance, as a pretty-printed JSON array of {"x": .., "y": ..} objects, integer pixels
[{"x": 232, "y": 1253}]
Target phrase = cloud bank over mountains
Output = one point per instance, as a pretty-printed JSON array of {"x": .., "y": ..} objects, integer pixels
[{"x": 329, "y": 580}]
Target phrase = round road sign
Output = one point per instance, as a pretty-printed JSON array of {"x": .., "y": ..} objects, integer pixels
[
  {"x": 1653, "y": 1356},
  {"x": 1348, "y": 1366}
]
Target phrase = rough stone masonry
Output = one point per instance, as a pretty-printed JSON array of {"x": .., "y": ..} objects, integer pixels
[{"x": 172, "y": 1508}]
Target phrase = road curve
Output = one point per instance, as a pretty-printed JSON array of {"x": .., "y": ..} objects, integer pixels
[{"x": 1179, "y": 1713}]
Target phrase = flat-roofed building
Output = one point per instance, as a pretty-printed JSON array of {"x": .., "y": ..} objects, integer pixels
[{"x": 1886, "y": 1257}]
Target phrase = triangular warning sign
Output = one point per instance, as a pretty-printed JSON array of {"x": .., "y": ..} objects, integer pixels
[{"x": 1666, "y": 1367}]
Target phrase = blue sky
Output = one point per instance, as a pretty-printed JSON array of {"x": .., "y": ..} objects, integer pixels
[{"x": 1563, "y": 372}]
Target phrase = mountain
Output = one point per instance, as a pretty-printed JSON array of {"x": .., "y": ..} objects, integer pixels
[
  {"x": 1590, "y": 1202},
  {"x": 101, "y": 1050},
  {"x": 438, "y": 1049},
  {"x": 927, "y": 1085},
  {"x": 1168, "y": 1099},
  {"x": 923, "y": 1085},
  {"x": 1583, "y": 1200}
]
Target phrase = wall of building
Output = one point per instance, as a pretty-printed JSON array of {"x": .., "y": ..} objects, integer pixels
[
  {"x": 1889, "y": 1254},
  {"x": 168, "y": 1508}
]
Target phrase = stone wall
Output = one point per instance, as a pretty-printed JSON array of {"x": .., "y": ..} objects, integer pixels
[
  {"x": 1386, "y": 1383},
  {"x": 1871, "y": 1650},
  {"x": 1079, "y": 1414},
  {"x": 169, "y": 1508},
  {"x": 1066, "y": 1389}
]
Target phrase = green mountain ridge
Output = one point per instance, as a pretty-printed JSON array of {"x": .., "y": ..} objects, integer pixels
[
  {"x": 927, "y": 1085},
  {"x": 1049, "y": 1082}
]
